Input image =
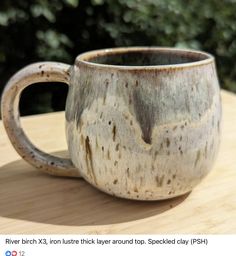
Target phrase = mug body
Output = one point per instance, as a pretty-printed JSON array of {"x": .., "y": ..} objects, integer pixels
[{"x": 143, "y": 123}]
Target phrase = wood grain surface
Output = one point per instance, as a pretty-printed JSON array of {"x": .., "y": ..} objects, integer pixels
[{"x": 32, "y": 202}]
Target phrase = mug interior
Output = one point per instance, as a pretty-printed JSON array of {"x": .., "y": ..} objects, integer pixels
[{"x": 144, "y": 56}]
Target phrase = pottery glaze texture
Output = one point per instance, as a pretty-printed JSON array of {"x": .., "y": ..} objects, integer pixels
[{"x": 146, "y": 133}]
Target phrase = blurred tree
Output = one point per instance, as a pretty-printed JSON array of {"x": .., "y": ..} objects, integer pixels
[{"x": 60, "y": 29}]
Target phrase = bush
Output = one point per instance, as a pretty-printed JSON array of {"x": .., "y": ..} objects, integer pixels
[{"x": 60, "y": 29}]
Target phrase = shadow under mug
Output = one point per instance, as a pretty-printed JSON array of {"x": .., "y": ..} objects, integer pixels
[{"x": 141, "y": 122}]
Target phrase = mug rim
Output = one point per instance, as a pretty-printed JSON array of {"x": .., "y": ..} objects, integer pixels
[{"x": 84, "y": 58}]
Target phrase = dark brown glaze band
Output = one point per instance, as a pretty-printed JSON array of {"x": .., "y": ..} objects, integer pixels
[{"x": 196, "y": 58}]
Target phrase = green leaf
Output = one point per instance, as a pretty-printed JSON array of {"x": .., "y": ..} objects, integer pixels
[
  {"x": 98, "y": 2},
  {"x": 42, "y": 10},
  {"x": 72, "y": 3}
]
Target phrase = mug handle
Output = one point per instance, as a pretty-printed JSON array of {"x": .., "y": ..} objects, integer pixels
[{"x": 34, "y": 73}]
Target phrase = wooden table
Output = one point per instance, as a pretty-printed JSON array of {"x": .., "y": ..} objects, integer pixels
[{"x": 32, "y": 202}]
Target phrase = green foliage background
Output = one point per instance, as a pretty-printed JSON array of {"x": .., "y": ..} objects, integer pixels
[{"x": 60, "y": 29}]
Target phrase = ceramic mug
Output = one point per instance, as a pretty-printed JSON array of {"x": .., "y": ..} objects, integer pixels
[{"x": 141, "y": 123}]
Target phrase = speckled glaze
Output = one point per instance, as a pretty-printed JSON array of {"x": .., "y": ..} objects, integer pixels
[
  {"x": 141, "y": 123},
  {"x": 34, "y": 73}
]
